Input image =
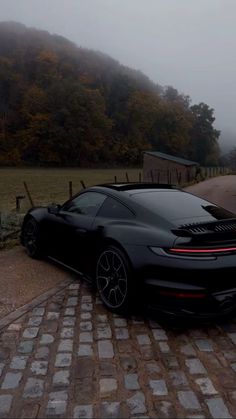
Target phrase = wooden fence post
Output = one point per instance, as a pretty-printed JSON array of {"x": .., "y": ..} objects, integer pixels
[
  {"x": 70, "y": 189},
  {"x": 127, "y": 177},
  {"x": 28, "y": 194}
]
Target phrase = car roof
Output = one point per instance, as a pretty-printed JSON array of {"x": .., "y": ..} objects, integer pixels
[{"x": 129, "y": 186}]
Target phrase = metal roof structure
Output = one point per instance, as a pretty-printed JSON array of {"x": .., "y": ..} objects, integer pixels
[{"x": 175, "y": 159}]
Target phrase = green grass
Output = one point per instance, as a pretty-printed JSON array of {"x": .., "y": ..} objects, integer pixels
[{"x": 52, "y": 185}]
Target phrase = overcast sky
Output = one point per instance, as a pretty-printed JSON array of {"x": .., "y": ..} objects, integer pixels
[{"x": 189, "y": 44}]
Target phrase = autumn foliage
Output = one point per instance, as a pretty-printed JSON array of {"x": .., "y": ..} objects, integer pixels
[{"x": 61, "y": 105}]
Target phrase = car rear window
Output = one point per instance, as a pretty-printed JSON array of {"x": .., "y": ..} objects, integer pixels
[{"x": 180, "y": 207}]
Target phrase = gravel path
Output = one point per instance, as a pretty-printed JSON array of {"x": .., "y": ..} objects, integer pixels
[
  {"x": 22, "y": 278},
  {"x": 220, "y": 190}
]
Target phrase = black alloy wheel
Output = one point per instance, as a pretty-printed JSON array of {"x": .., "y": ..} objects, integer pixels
[
  {"x": 31, "y": 238},
  {"x": 113, "y": 279}
]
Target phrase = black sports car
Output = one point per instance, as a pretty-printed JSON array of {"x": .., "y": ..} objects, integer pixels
[{"x": 143, "y": 242}]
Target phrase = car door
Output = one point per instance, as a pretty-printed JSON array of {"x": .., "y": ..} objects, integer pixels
[{"x": 72, "y": 229}]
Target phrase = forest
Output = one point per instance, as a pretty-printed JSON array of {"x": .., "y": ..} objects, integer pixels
[{"x": 63, "y": 105}]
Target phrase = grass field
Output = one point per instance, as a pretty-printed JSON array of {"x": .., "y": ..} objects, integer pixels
[{"x": 52, "y": 185}]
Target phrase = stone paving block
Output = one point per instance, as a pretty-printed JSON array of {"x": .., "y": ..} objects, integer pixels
[
  {"x": 63, "y": 360},
  {"x": 120, "y": 322},
  {"x": 110, "y": 410},
  {"x": 69, "y": 311},
  {"x": 131, "y": 382},
  {"x": 178, "y": 378},
  {"x": 18, "y": 363},
  {"x": 42, "y": 353},
  {"x": 74, "y": 286},
  {"x": 5, "y": 404},
  {"x": 188, "y": 400},
  {"x": 195, "y": 366},
  {"x": 136, "y": 404},
  {"x": 14, "y": 327},
  {"x": 86, "y": 326},
  {"x": 35, "y": 321},
  {"x": 53, "y": 315},
  {"x": 34, "y": 388},
  {"x": 143, "y": 340},
  {"x": 61, "y": 378},
  {"x": 26, "y": 347},
  {"x": 85, "y": 350},
  {"x": 46, "y": 339},
  {"x": 128, "y": 363},
  {"x": 188, "y": 350},
  {"x": 159, "y": 334},
  {"x": 107, "y": 369},
  {"x": 102, "y": 318},
  {"x": 86, "y": 299},
  {"x": 68, "y": 321},
  {"x": 57, "y": 403},
  {"x": 107, "y": 385},
  {"x": 122, "y": 333},
  {"x": 86, "y": 316},
  {"x": 103, "y": 331},
  {"x": 87, "y": 306},
  {"x": 67, "y": 332},
  {"x": 154, "y": 325},
  {"x": 232, "y": 336},
  {"x": 158, "y": 387},
  {"x": 170, "y": 362},
  {"x": 217, "y": 408},
  {"x": 204, "y": 345},
  {"x": 73, "y": 293},
  {"x": 11, "y": 380},
  {"x": 65, "y": 345},
  {"x": 206, "y": 386},
  {"x": 105, "y": 349},
  {"x": 72, "y": 302},
  {"x": 153, "y": 368},
  {"x": 164, "y": 409},
  {"x": 30, "y": 332},
  {"x": 38, "y": 311},
  {"x": 83, "y": 411},
  {"x": 86, "y": 337},
  {"x": 164, "y": 347},
  {"x": 39, "y": 367}
]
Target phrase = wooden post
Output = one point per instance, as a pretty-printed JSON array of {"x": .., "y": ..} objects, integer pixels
[
  {"x": 70, "y": 189},
  {"x": 140, "y": 177},
  {"x": 127, "y": 177},
  {"x": 82, "y": 183},
  {"x": 28, "y": 194},
  {"x": 18, "y": 201},
  {"x": 115, "y": 179},
  {"x": 158, "y": 177},
  {"x": 152, "y": 176}
]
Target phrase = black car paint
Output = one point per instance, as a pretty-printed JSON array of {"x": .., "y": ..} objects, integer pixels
[{"x": 77, "y": 241}]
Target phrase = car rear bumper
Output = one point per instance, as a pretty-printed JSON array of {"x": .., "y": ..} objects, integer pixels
[{"x": 185, "y": 300}]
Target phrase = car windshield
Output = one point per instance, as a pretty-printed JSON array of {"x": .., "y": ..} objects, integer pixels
[{"x": 180, "y": 207}]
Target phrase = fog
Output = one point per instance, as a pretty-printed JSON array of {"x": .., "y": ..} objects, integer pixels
[{"x": 188, "y": 44}]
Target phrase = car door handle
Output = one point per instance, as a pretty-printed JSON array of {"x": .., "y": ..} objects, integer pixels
[{"x": 81, "y": 231}]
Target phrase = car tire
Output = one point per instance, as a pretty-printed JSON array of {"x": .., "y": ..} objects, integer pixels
[
  {"x": 31, "y": 238},
  {"x": 114, "y": 280}
]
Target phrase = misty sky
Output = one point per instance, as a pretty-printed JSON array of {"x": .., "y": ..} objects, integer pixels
[{"x": 189, "y": 44}]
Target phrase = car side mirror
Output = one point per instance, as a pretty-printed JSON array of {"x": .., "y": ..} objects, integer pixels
[{"x": 54, "y": 209}]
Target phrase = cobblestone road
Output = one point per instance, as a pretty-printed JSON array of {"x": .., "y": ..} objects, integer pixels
[{"x": 70, "y": 357}]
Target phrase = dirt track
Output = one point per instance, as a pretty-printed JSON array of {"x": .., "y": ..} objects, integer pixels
[
  {"x": 22, "y": 279},
  {"x": 220, "y": 190}
]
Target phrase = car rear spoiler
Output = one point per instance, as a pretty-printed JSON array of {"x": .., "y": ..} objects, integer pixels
[{"x": 219, "y": 227}]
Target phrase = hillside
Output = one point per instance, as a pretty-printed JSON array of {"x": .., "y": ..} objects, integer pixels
[{"x": 62, "y": 105}]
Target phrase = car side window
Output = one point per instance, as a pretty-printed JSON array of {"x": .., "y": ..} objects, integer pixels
[
  {"x": 87, "y": 203},
  {"x": 111, "y": 208}
]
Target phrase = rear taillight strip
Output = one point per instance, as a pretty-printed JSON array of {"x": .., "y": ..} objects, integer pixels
[{"x": 219, "y": 250}]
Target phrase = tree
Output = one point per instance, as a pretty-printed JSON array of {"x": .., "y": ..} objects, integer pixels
[{"x": 204, "y": 137}]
